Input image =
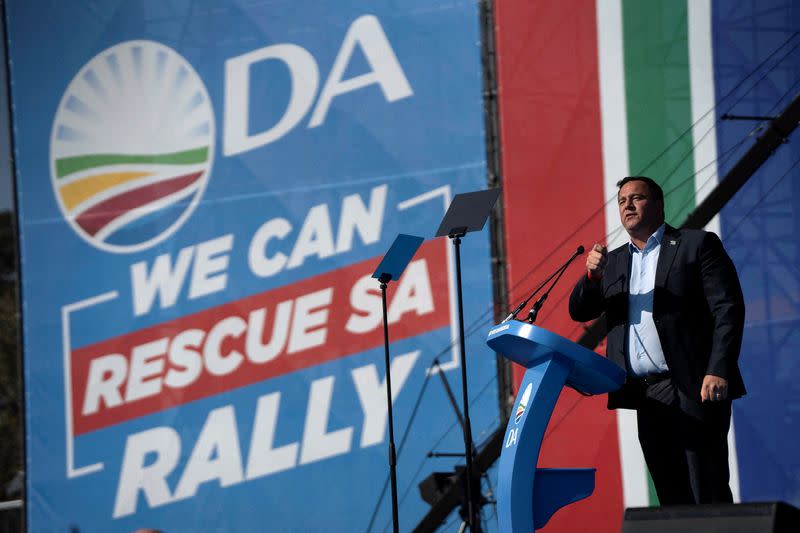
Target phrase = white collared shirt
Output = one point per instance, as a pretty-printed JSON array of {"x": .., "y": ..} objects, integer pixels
[{"x": 645, "y": 355}]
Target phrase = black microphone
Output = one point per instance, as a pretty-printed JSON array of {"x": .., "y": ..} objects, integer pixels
[{"x": 558, "y": 273}]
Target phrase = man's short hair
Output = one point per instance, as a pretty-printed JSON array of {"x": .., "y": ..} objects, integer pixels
[{"x": 655, "y": 189}]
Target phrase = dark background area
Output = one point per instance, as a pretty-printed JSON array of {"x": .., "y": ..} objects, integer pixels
[{"x": 10, "y": 397}]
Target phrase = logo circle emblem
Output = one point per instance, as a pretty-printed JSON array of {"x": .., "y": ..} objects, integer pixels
[{"x": 132, "y": 146}]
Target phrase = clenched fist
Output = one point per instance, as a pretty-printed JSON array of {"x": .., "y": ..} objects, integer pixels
[{"x": 596, "y": 261}]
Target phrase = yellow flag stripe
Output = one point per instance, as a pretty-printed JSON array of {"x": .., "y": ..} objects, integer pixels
[{"x": 76, "y": 192}]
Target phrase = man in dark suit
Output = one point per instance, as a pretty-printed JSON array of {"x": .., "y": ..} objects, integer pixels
[{"x": 675, "y": 315}]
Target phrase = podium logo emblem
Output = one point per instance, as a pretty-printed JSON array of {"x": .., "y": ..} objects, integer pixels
[
  {"x": 131, "y": 146},
  {"x": 523, "y": 403}
]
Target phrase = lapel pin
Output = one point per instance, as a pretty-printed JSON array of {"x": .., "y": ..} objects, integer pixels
[{"x": 673, "y": 243}]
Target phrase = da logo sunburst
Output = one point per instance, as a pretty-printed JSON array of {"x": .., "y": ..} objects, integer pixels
[
  {"x": 523, "y": 403},
  {"x": 132, "y": 146}
]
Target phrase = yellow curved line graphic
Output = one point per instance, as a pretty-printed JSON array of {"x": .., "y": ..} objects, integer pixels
[{"x": 76, "y": 192}]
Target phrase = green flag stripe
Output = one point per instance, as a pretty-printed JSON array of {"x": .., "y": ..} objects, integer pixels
[
  {"x": 658, "y": 98},
  {"x": 658, "y": 105},
  {"x": 651, "y": 490},
  {"x": 70, "y": 165}
]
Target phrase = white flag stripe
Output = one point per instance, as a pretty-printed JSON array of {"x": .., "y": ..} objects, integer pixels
[
  {"x": 611, "y": 67},
  {"x": 701, "y": 75},
  {"x": 635, "y": 490},
  {"x": 701, "y": 78}
]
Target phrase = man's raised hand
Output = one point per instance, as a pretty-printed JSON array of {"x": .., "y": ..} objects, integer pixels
[{"x": 596, "y": 261}]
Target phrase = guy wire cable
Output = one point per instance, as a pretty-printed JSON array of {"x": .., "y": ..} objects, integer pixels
[
  {"x": 554, "y": 424},
  {"x": 482, "y": 319},
  {"x": 480, "y": 392},
  {"x": 721, "y": 159},
  {"x": 725, "y": 97},
  {"x": 763, "y": 76}
]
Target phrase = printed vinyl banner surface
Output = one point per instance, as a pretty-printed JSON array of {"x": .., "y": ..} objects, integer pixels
[
  {"x": 630, "y": 87},
  {"x": 204, "y": 190}
]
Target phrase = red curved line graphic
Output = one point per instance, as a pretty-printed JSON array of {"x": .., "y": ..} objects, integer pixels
[{"x": 96, "y": 218}]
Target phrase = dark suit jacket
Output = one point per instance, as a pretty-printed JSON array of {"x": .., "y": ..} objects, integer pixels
[{"x": 698, "y": 310}]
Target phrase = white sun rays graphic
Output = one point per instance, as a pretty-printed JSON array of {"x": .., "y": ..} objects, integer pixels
[{"x": 132, "y": 146}]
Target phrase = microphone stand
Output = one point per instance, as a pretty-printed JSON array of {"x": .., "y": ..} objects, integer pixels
[
  {"x": 558, "y": 273},
  {"x": 538, "y": 304}
]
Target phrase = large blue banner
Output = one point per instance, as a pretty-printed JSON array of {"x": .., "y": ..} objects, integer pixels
[
  {"x": 204, "y": 189},
  {"x": 756, "y": 69}
]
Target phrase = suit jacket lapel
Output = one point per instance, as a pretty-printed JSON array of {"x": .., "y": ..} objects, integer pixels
[
  {"x": 670, "y": 243},
  {"x": 625, "y": 266}
]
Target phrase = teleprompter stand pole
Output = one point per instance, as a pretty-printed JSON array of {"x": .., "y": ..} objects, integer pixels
[
  {"x": 474, "y": 523},
  {"x": 384, "y": 279},
  {"x": 467, "y": 212},
  {"x": 391, "y": 267}
]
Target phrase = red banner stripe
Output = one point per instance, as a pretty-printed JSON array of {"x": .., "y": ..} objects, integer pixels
[
  {"x": 97, "y": 217},
  {"x": 548, "y": 78},
  {"x": 330, "y": 318}
]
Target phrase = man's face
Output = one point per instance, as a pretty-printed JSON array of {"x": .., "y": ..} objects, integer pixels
[{"x": 638, "y": 212}]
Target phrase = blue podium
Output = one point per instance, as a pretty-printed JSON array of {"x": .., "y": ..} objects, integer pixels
[{"x": 528, "y": 496}]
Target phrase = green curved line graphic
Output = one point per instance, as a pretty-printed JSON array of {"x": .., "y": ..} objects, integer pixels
[{"x": 69, "y": 165}]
